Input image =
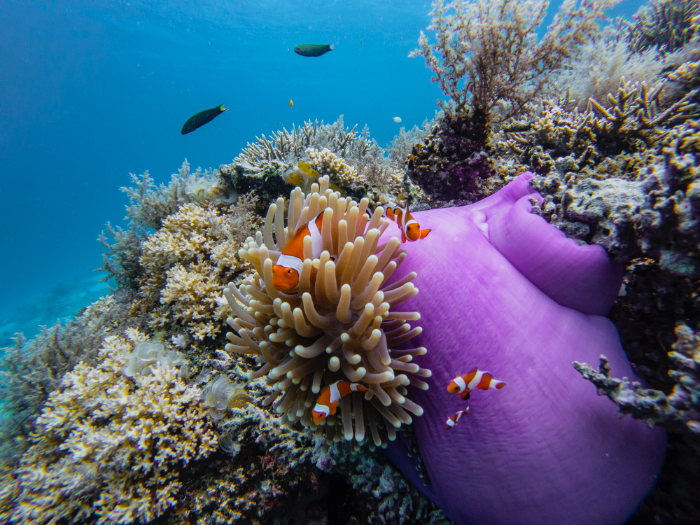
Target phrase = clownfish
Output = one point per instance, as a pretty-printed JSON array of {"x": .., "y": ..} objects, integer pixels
[
  {"x": 464, "y": 384},
  {"x": 330, "y": 396},
  {"x": 410, "y": 229},
  {"x": 452, "y": 420},
  {"x": 285, "y": 274}
]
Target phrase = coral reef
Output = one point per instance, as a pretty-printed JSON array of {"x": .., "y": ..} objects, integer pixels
[
  {"x": 488, "y": 53},
  {"x": 30, "y": 371},
  {"x": 614, "y": 62},
  {"x": 452, "y": 165},
  {"x": 187, "y": 261},
  {"x": 109, "y": 448},
  {"x": 264, "y": 167},
  {"x": 522, "y": 302},
  {"x": 148, "y": 206},
  {"x": 666, "y": 25},
  {"x": 341, "y": 325}
]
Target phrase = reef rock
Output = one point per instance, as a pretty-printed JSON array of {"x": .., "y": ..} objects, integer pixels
[{"x": 506, "y": 292}]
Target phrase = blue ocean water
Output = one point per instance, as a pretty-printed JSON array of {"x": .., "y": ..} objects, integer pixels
[{"x": 93, "y": 91}]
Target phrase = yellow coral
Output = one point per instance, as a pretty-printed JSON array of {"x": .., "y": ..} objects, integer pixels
[
  {"x": 109, "y": 447},
  {"x": 328, "y": 163},
  {"x": 186, "y": 262}
]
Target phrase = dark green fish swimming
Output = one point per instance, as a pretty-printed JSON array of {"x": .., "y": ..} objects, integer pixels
[
  {"x": 201, "y": 118},
  {"x": 313, "y": 50}
]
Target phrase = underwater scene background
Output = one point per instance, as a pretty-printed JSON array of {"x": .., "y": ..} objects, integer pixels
[{"x": 293, "y": 285}]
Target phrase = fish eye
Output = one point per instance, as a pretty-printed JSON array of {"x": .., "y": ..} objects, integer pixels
[{"x": 289, "y": 272}]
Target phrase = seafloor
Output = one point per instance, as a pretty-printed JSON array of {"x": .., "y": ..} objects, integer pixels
[{"x": 168, "y": 401}]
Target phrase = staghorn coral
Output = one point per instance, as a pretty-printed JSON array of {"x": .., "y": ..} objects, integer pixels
[
  {"x": 679, "y": 411},
  {"x": 285, "y": 147},
  {"x": 342, "y": 326},
  {"x": 30, "y": 371},
  {"x": 613, "y": 62},
  {"x": 108, "y": 448},
  {"x": 653, "y": 215},
  {"x": 488, "y": 53},
  {"x": 612, "y": 131},
  {"x": 666, "y": 25}
]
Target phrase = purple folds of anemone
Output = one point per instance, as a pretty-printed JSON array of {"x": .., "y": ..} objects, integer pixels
[{"x": 504, "y": 291}]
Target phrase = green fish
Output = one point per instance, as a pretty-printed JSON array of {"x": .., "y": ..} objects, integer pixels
[
  {"x": 313, "y": 50},
  {"x": 201, "y": 118}
]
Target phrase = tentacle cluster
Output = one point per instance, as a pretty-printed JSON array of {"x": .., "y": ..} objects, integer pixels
[{"x": 341, "y": 325}]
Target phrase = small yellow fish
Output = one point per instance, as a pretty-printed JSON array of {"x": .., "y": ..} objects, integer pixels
[{"x": 291, "y": 103}]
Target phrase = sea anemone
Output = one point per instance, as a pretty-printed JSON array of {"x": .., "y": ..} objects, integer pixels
[{"x": 340, "y": 325}]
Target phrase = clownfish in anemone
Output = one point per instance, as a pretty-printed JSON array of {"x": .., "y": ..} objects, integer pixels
[
  {"x": 330, "y": 396},
  {"x": 464, "y": 384},
  {"x": 285, "y": 274},
  {"x": 410, "y": 229},
  {"x": 452, "y": 420}
]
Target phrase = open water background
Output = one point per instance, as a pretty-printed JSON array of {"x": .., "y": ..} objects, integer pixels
[{"x": 91, "y": 91}]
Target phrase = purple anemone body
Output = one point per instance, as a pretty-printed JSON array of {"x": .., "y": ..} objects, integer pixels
[{"x": 504, "y": 291}]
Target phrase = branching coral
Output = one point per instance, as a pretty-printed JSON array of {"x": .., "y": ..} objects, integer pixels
[
  {"x": 266, "y": 165},
  {"x": 31, "y": 371},
  {"x": 109, "y": 448},
  {"x": 613, "y": 62},
  {"x": 148, "y": 206},
  {"x": 664, "y": 24},
  {"x": 287, "y": 146},
  {"x": 341, "y": 325},
  {"x": 679, "y": 410},
  {"x": 186, "y": 262},
  {"x": 488, "y": 52}
]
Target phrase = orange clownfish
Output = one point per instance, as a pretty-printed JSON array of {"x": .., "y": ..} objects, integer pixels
[
  {"x": 464, "y": 384},
  {"x": 452, "y": 420},
  {"x": 285, "y": 274},
  {"x": 330, "y": 396},
  {"x": 410, "y": 229}
]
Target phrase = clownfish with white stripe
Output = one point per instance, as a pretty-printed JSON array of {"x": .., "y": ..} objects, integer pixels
[
  {"x": 410, "y": 229},
  {"x": 329, "y": 399},
  {"x": 452, "y": 420},
  {"x": 464, "y": 384},
  {"x": 285, "y": 274}
]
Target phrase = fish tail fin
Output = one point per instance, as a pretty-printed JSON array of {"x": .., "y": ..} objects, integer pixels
[
  {"x": 424, "y": 233},
  {"x": 331, "y": 47},
  {"x": 222, "y": 108}
]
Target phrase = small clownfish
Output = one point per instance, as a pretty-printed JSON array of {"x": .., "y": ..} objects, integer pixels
[
  {"x": 330, "y": 396},
  {"x": 285, "y": 274},
  {"x": 452, "y": 420},
  {"x": 410, "y": 229},
  {"x": 464, "y": 384}
]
